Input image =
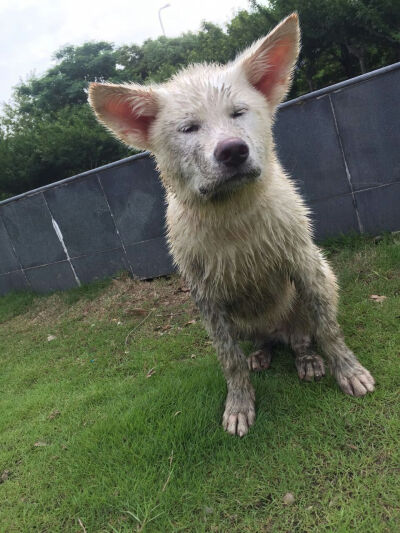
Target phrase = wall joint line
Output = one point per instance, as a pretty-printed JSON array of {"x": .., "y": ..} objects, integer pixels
[{"x": 348, "y": 174}]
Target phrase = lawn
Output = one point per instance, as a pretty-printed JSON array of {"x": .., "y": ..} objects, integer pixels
[{"x": 111, "y": 400}]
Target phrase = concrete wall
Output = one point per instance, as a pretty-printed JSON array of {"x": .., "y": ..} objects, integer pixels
[{"x": 341, "y": 144}]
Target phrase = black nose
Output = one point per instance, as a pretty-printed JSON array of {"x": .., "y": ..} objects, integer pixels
[{"x": 231, "y": 152}]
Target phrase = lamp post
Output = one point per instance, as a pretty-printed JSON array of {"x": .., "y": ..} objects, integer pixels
[{"x": 159, "y": 17}]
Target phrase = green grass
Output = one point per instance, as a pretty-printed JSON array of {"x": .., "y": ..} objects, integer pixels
[{"x": 126, "y": 403}]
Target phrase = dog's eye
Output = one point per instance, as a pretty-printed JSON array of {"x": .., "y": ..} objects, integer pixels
[
  {"x": 238, "y": 113},
  {"x": 190, "y": 128}
]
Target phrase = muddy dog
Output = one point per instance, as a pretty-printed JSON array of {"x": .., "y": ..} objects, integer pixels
[{"x": 237, "y": 228}]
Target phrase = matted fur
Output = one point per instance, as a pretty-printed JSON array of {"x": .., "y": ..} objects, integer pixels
[{"x": 240, "y": 234}]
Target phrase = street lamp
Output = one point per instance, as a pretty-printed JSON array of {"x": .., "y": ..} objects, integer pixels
[{"x": 159, "y": 17}]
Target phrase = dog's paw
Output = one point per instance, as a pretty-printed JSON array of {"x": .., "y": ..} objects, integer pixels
[
  {"x": 259, "y": 360},
  {"x": 310, "y": 367},
  {"x": 357, "y": 382},
  {"x": 239, "y": 414}
]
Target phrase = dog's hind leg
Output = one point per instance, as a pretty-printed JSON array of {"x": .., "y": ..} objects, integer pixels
[
  {"x": 310, "y": 366},
  {"x": 261, "y": 358}
]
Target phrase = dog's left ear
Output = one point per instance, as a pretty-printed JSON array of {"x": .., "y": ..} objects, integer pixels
[{"x": 269, "y": 63}]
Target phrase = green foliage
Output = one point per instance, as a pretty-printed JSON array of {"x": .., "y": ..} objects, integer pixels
[
  {"x": 87, "y": 291},
  {"x": 342, "y": 38},
  {"x": 65, "y": 84},
  {"x": 48, "y": 133},
  {"x": 16, "y": 303},
  {"x": 50, "y": 148}
]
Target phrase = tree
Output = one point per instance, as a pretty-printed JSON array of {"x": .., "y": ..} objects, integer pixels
[
  {"x": 49, "y": 150},
  {"x": 65, "y": 83},
  {"x": 342, "y": 38}
]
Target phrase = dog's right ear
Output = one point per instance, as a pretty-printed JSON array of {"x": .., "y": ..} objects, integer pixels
[{"x": 127, "y": 110}]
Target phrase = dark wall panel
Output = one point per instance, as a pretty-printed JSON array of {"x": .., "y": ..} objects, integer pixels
[
  {"x": 31, "y": 230},
  {"x": 54, "y": 277},
  {"x": 150, "y": 259},
  {"x": 368, "y": 116},
  {"x": 326, "y": 221},
  {"x": 308, "y": 148},
  {"x": 136, "y": 198},
  {"x": 380, "y": 208},
  {"x": 84, "y": 218},
  {"x": 14, "y": 281},
  {"x": 8, "y": 261},
  {"x": 100, "y": 265}
]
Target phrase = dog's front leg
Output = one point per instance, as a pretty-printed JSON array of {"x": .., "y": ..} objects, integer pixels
[
  {"x": 239, "y": 411},
  {"x": 316, "y": 285}
]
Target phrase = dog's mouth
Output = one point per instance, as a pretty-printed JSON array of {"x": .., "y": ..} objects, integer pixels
[{"x": 224, "y": 185}]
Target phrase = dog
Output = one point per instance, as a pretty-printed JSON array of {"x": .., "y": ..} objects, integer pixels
[{"x": 238, "y": 230}]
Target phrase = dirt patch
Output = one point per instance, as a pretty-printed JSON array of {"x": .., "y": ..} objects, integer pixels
[
  {"x": 125, "y": 298},
  {"x": 133, "y": 298}
]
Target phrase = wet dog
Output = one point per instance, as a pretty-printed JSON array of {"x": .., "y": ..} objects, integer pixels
[{"x": 237, "y": 228}]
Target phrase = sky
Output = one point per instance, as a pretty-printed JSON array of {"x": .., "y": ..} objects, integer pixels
[{"x": 32, "y": 30}]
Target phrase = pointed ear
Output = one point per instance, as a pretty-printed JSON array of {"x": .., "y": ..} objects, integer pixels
[
  {"x": 269, "y": 63},
  {"x": 127, "y": 110}
]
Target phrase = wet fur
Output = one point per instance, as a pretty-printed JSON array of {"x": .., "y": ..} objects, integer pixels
[{"x": 245, "y": 250}]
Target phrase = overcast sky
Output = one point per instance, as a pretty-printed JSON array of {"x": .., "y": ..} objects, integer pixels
[{"x": 32, "y": 30}]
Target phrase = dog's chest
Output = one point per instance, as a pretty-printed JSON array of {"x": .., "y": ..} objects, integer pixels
[{"x": 236, "y": 265}]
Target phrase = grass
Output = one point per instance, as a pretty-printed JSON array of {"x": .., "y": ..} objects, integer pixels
[{"x": 114, "y": 425}]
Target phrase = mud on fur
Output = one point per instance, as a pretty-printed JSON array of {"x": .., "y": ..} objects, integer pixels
[{"x": 237, "y": 228}]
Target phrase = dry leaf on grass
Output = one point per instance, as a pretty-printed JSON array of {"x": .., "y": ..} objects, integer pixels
[
  {"x": 190, "y": 322},
  {"x": 40, "y": 444},
  {"x": 136, "y": 311},
  {"x": 333, "y": 502},
  {"x": 182, "y": 289},
  {"x": 377, "y": 298},
  {"x": 4, "y": 476},
  {"x": 82, "y": 526},
  {"x": 54, "y": 414},
  {"x": 51, "y": 338},
  {"x": 150, "y": 372},
  {"x": 288, "y": 499}
]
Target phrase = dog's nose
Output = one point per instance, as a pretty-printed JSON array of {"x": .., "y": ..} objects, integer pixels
[{"x": 231, "y": 152}]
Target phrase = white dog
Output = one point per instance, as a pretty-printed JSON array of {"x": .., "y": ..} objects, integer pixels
[{"x": 237, "y": 228}]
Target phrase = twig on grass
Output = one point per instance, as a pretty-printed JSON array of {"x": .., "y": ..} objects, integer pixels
[
  {"x": 380, "y": 275},
  {"x": 138, "y": 326},
  {"x": 171, "y": 458},
  {"x": 82, "y": 526}
]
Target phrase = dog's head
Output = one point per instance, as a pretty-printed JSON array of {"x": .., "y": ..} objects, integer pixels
[{"x": 210, "y": 125}]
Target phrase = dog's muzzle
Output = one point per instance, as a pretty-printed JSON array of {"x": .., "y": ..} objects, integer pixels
[{"x": 229, "y": 181}]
